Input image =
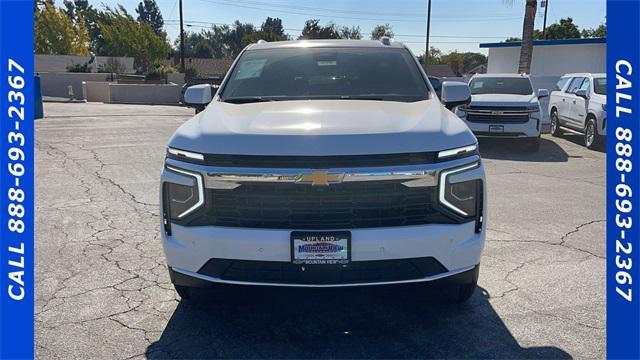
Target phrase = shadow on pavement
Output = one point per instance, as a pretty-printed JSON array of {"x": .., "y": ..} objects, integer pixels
[
  {"x": 378, "y": 322},
  {"x": 511, "y": 149},
  {"x": 579, "y": 140}
]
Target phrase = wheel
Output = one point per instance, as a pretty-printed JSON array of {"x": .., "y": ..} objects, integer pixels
[
  {"x": 532, "y": 144},
  {"x": 555, "y": 124},
  {"x": 183, "y": 291},
  {"x": 591, "y": 138}
]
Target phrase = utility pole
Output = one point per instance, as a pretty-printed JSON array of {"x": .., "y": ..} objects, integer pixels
[
  {"x": 426, "y": 52},
  {"x": 181, "y": 40},
  {"x": 544, "y": 25}
]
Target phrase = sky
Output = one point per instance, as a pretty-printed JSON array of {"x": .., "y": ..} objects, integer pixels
[{"x": 455, "y": 24}]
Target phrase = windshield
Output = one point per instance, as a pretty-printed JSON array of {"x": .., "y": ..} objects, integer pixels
[
  {"x": 326, "y": 73},
  {"x": 600, "y": 86},
  {"x": 486, "y": 85}
]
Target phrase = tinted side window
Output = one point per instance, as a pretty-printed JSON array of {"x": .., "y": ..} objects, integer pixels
[
  {"x": 561, "y": 83},
  {"x": 575, "y": 85}
]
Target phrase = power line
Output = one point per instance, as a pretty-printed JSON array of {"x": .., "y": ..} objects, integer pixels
[
  {"x": 406, "y": 42},
  {"x": 360, "y": 12},
  {"x": 190, "y": 22},
  {"x": 358, "y": 18}
]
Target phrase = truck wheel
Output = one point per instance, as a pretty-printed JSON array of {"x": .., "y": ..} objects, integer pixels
[
  {"x": 183, "y": 291},
  {"x": 555, "y": 124},
  {"x": 591, "y": 138}
]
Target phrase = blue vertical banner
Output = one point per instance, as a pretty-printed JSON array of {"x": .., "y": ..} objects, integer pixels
[
  {"x": 623, "y": 180},
  {"x": 16, "y": 179}
]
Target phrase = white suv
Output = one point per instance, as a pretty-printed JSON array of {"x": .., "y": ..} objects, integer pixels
[
  {"x": 579, "y": 104},
  {"x": 324, "y": 163},
  {"x": 505, "y": 106}
]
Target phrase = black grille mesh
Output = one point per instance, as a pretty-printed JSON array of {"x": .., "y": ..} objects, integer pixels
[{"x": 302, "y": 206}]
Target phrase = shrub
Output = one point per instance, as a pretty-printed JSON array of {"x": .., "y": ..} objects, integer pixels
[{"x": 79, "y": 68}]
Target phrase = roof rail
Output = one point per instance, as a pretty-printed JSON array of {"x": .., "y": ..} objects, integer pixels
[
  {"x": 385, "y": 40},
  {"x": 262, "y": 41}
]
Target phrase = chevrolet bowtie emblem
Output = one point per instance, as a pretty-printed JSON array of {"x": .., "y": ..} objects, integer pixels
[{"x": 319, "y": 178}]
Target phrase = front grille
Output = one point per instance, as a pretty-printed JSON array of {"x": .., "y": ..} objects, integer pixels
[
  {"x": 345, "y": 205},
  {"x": 506, "y": 115},
  {"x": 351, "y": 273}
]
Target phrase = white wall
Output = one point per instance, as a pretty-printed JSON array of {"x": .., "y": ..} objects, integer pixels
[
  {"x": 551, "y": 60},
  {"x": 151, "y": 94},
  {"x": 56, "y": 84},
  {"x": 59, "y": 63}
]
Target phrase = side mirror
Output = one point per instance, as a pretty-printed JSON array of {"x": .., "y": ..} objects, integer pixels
[
  {"x": 455, "y": 93},
  {"x": 198, "y": 95},
  {"x": 543, "y": 93},
  {"x": 582, "y": 93}
]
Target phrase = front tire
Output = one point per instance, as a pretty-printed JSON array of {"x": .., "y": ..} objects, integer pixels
[
  {"x": 555, "y": 124},
  {"x": 591, "y": 138}
]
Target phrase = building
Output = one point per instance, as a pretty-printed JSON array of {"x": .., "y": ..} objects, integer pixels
[
  {"x": 440, "y": 70},
  {"x": 550, "y": 57}
]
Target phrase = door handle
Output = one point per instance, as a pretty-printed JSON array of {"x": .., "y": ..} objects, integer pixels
[
  {"x": 563, "y": 100},
  {"x": 574, "y": 101}
]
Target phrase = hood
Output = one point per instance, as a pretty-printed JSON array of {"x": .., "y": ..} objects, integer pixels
[
  {"x": 503, "y": 100},
  {"x": 322, "y": 127}
]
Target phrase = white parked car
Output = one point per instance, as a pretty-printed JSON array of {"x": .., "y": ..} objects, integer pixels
[
  {"x": 505, "y": 106},
  {"x": 579, "y": 104},
  {"x": 324, "y": 163}
]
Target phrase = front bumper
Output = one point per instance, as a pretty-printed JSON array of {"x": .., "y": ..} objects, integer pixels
[
  {"x": 530, "y": 129},
  {"x": 446, "y": 249},
  {"x": 456, "y": 247}
]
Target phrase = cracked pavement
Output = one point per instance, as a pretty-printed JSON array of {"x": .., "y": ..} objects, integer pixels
[{"x": 103, "y": 291}]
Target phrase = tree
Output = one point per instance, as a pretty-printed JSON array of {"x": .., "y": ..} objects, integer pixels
[
  {"x": 149, "y": 12},
  {"x": 126, "y": 37},
  {"x": 202, "y": 50},
  {"x": 435, "y": 56},
  {"x": 274, "y": 26},
  {"x": 56, "y": 33},
  {"x": 313, "y": 30},
  {"x": 353, "y": 32},
  {"x": 599, "y": 32},
  {"x": 261, "y": 35},
  {"x": 565, "y": 29},
  {"x": 528, "y": 24},
  {"x": 380, "y": 31}
]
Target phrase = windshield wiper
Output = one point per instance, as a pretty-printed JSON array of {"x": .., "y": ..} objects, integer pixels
[{"x": 246, "y": 99}]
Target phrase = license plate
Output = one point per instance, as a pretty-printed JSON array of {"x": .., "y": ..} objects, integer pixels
[
  {"x": 496, "y": 128},
  {"x": 326, "y": 247}
]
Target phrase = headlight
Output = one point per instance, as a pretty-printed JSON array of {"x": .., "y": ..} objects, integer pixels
[
  {"x": 181, "y": 200},
  {"x": 458, "y": 152},
  {"x": 184, "y": 155},
  {"x": 463, "y": 198}
]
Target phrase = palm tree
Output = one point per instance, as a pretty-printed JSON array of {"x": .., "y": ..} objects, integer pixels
[{"x": 528, "y": 25}]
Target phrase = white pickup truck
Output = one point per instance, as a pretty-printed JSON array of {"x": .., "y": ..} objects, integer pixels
[{"x": 324, "y": 163}]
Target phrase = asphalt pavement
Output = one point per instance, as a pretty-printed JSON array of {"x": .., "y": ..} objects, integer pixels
[{"x": 103, "y": 291}]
